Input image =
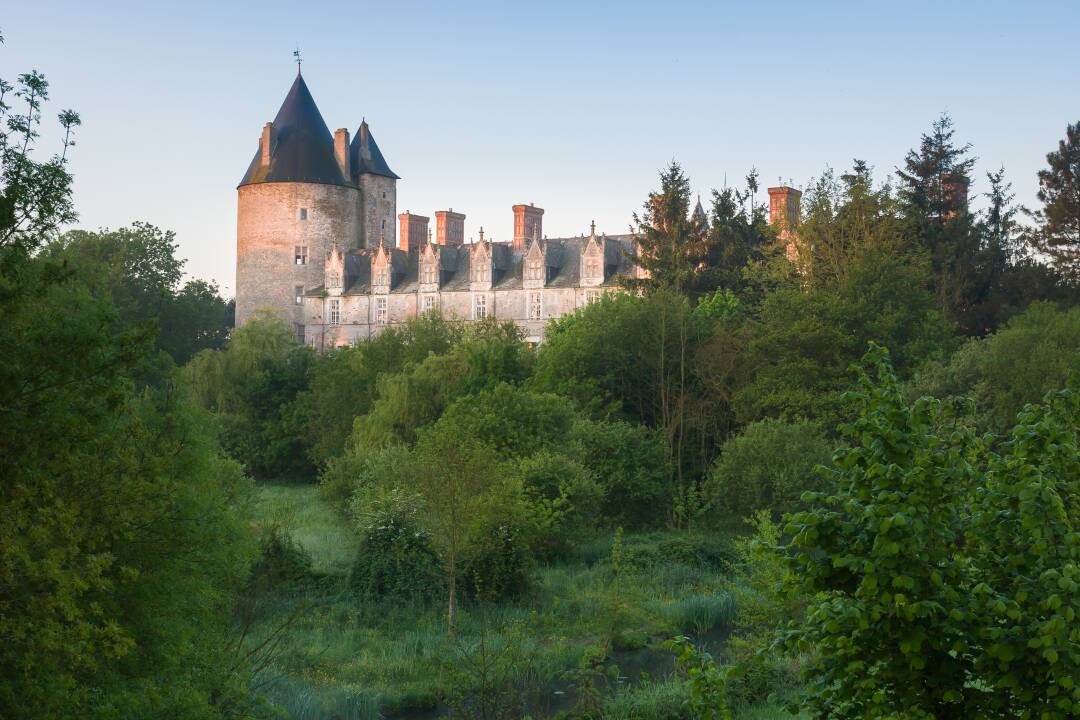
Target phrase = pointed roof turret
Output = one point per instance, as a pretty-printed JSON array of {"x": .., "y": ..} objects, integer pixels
[
  {"x": 302, "y": 149},
  {"x": 365, "y": 156},
  {"x": 699, "y": 213}
]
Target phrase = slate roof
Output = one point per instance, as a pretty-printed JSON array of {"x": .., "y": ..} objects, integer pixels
[
  {"x": 455, "y": 264},
  {"x": 376, "y": 165},
  {"x": 305, "y": 148}
]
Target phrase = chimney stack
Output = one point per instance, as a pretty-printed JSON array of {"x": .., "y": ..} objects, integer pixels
[
  {"x": 528, "y": 225},
  {"x": 341, "y": 151},
  {"x": 449, "y": 227},
  {"x": 267, "y": 142},
  {"x": 412, "y": 231}
]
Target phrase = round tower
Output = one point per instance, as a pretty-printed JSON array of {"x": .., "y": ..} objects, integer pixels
[{"x": 298, "y": 196}]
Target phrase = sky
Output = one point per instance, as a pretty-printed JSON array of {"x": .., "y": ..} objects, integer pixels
[{"x": 573, "y": 106}]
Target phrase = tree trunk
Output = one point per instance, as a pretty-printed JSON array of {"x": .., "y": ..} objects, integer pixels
[{"x": 453, "y": 594}]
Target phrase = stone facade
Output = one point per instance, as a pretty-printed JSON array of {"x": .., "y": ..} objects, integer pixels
[{"x": 368, "y": 290}]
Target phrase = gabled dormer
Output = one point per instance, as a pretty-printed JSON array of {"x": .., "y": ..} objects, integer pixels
[
  {"x": 430, "y": 268},
  {"x": 334, "y": 270},
  {"x": 594, "y": 260},
  {"x": 481, "y": 265},
  {"x": 382, "y": 270},
  {"x": 534, "y": 273}
]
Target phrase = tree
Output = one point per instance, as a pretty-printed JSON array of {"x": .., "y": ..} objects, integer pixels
[
  {"x": 670, "y": 242},
  {"x": 1059, "y": 190},
  {"x": 123, "y": 537},
  {"x": 935, "y": 182},
  {"x": 939, "y": 586},
  {"x": 138, "y": 268},
  {"x": 457, "y": 479}
]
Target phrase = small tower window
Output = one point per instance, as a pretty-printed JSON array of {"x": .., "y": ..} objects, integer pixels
[
  {"x": 303, "y": 213},
  {"x": 298, "y": 291},
  {"x": 300, "y": 254}
]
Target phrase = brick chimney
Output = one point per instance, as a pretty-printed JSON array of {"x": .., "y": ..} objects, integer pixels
[
  {"x": 267, "y": 143},
  {"x": 528, "y": 225},
  {"x": 449, "y": 227},
  {"x": 784, "y": 214},
  {"x": 412, "y": 231},
  {"x": 954, "y": 194},
  {"x": 341, "y": 151}
]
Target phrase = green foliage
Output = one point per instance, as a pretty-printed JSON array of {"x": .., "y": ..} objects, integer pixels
[
  {"x": 1058, "y": 234},
  {"x": 631, "y": 464},
  {"x": 768, "y": 465},
  {"x": 344, "y": 381},
  {"x": 804, "y": 341},
  {"x": 281, "y": 559},
  {"x": 395, "y": 561},
  {"x": 497, "y": 561},
  {"x": 562, "y": 498},
  {"x": 252, "y": 385},
  {"x": 137, "y": 268},
  {"x": 489, "y": 678},
  {"x": 1017, "y": 365},
  {"x": 707, "y": 681},
  {"x": 939, "y": 588}
]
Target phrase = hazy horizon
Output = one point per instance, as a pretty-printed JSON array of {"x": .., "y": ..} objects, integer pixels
[{"x": 571, "y": 108}]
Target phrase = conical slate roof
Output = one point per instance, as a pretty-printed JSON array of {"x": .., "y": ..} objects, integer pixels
[
  {"x": 376, "y": 165},
  {"x": 304, "y": 151},
  {"x": 699, "y": 213}
]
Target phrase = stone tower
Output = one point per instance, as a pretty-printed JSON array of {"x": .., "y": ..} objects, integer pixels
[{"x": 304, "y": 190}]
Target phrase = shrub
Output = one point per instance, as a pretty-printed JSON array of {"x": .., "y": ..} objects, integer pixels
[
  {"x": 395, "y": 559},
  {"x": 281, "y": 559},
  {"x": 767, "y": 466},
  {"x": 632, "y": 465},
  {"x": 562, "y": 498},
  {"x": 497, "y": 563}
]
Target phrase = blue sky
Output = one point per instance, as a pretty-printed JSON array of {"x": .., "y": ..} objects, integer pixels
[{"x": 573, "y": 106}]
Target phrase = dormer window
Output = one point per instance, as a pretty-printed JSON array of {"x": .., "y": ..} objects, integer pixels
[
  {"x": 333, "y": 279},
  {"x": 483, "y": 272},
  {"x": 593, "y": 267},
  {"x": 428, "y": 273},
  {"x": 534, "y": 271},
  {"x": 382, "y": 276}
]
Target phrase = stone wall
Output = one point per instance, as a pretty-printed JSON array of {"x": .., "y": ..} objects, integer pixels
[
  {"x": 379, "y": 209},
  {"x": 274, "y": 218}
]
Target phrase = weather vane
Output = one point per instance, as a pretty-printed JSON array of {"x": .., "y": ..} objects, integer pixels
[{"x": 296, "y": 54}]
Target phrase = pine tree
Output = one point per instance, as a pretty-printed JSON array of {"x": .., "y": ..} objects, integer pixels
[
  {"x": 1059, "y": 190},
  {"x": 670, "y": 243},
  {"x": 935, "y": 185}
]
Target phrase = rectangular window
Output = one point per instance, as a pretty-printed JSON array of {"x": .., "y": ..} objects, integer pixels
[
  {"x": 479, "y": 307},
  {"x": 300, "y": 254},
  {"x": 534, "y": 271},
  {"x": 536, "y": 306},
  {"x": 382, "y": 276},
  {"x": 591, "y": 296},
  {"x": 298, "y": 291},
  {"x": 380, "y": 311},
  {"x": 430, "y": 303},
  {"x": 333, "y": 279},
  {"x": 592, "y": 267},
  {"x": 429, "y": 274},
  {"x": 334, "y": 313},
  {"x": 303, "y": 213},
  {"x": 483, "y": 272},
  {"x": 299, "y": 333}
]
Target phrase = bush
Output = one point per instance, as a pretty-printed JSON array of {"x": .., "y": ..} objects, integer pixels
[
  {"x": 497, "y": 564},
  {"x": 281, "y": 559},
  {"x": 632, "y": 465},
  {"x": 562, "y": 499},
  {"x": 395, "y": 558},
  {"x": 767, "y": 466}
]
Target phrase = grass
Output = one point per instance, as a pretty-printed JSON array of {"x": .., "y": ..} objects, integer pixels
[
  {"x": 312, "y": 523},
  {"x": 342, "y": 659}
]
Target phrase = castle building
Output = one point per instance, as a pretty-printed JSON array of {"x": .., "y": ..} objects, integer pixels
[{"x": 320, "y": 244}]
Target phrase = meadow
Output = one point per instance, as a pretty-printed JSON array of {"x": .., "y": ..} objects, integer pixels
[{"x": 586, "y": 641}]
